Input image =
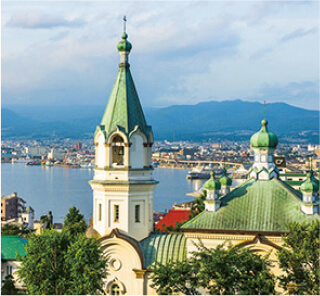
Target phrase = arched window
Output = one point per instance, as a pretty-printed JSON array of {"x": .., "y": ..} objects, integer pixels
[
  {"x": 117, "y": 151},
  {"x": 115, "y": 289}
]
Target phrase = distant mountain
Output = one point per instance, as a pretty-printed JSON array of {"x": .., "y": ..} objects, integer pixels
[{"x": 234, "y": 120}]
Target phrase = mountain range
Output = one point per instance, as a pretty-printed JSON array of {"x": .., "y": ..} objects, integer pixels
[{"x": 226, "y": 120}]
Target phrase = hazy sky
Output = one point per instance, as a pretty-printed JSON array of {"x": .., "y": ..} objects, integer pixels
[{"x": 184, "y": 52}]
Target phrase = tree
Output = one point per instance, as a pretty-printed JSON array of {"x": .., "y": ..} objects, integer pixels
[
  {"x": 198, "y": 203},
  {"x": 63, "y": 263},
  {"x": 74, "y": 222},
  {"x": 12, "y": 229},
  {"x": 48, "y": 220},
  {"x": 221, "y": 271},
  {"x": 8, "y": 287},
  {"x": 173, "y": 278},
  {"x": 299, "y": 259}
]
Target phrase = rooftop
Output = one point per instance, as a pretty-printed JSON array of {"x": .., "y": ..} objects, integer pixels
[
  {"x": 12, "y": 244},
  {"x": 254, "y": 206}
]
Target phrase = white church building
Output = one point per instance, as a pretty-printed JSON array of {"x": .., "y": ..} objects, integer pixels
[{"x": 253, "y": 214}]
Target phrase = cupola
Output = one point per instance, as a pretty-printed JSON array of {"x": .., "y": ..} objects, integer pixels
[
  {"x": 264, "y": 139},
  {"x": 263, "y": 143},
  {"x": 212, "y": 187},
  {"x": 225, "y": 182},
  {"x": 310, "y": 194},
  {"x": 212, "y": 183}
]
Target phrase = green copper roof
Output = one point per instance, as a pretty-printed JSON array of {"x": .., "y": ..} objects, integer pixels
[
  {"x": 163, "y": 247},
  {"x": 10, "y": 245},
  {"x": 212, "y": 183},
  {"x": 311, "y": 184},
  {"x": 123, "y": 110},
  {"x": 225, "y": 180},
  {"x": 254, "y": 206},
  {"x": 264, "y": 138}
]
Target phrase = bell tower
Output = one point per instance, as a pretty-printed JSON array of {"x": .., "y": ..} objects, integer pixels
[{"x": 123, "y": 183}]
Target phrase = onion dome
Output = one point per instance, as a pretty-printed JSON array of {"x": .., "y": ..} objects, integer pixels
[
  {"x": 124, "y": 45},
  {"x": 225, "y": 180},
  {"x": 264, "y": 138},
  {"x": 311, "y": 184},
  {"x": 212, "y": 183}
]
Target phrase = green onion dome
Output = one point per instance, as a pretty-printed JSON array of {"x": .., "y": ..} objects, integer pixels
[
  {"x": 212, "y": 183},
  {"x": 124, "y": 45},
  {"x": 225, "y": 180},
  {"x": 264, "y": 138},
  {"x": 311, "y": 184}
]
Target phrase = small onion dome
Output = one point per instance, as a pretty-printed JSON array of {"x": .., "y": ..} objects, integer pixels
[
  {"x": 225, "y": 180},
  {"x": 212, "y": 183},
  {"x": 124, "y": 45},
  {"x": 264, "y": 138},
  {"x": 311, "y": 184}
]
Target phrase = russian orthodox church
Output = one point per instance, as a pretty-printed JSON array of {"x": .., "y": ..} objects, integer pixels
[{"x": 253, "y": 214}]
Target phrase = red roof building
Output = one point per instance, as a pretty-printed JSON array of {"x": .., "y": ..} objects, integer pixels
[{"x": 172, "y": 217}]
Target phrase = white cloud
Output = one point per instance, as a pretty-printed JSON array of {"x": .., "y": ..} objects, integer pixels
[{"x": 36, "y": 20}]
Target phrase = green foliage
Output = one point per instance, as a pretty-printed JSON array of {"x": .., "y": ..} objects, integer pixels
[
  {"x": 74, "y": 222},
  {"x": 63, "y": 262},
  {"x": 220, "y": 271},
  {"x": 48, "y": 220},
  {"x": 173, "y": 278},
  {"x": 8, "y": 287},
  {"x": 299, "y": 258},
  {"x": 198, "y": 203},
  {"x": 12, "y": 229}
]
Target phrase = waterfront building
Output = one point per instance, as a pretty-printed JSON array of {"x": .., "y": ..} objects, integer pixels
[
  {"x": 253, "y": 215},
  {"x": 12, "y": 206}
]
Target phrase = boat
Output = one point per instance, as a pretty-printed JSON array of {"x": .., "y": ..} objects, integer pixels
[
  {"x": 34, "y": 163},
  {"x": 86, "y": 165},
  {"x": 198, "y": 173}
]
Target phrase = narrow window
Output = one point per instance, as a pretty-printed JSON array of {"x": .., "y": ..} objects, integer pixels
[
  {"x": 9, "y": 269},
  {"x": 137, "y": 213},
  {"x": 116, "y": 213},
  {"x": 100, "y": 210}
]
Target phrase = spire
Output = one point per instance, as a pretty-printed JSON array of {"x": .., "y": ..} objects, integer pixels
[{"x": 124, "y": 110}]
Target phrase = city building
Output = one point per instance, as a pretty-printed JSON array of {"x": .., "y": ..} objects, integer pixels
[
  {"x": 12, "y": 206},
  {"x": 253, "y": 215}
]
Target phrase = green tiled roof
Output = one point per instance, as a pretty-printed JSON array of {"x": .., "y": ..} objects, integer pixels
[
  {"x": 10, "y": 244},
  {"x": 254, "y": 206},
  {"x": 123, "y": 110},
  {"x": 163, "y": 247}
]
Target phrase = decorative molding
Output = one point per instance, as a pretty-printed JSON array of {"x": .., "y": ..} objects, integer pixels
[
  {"x": 130, "y": 240},
  {"x": 107, "y": 145},
  {"x": 139, "y": 273}
]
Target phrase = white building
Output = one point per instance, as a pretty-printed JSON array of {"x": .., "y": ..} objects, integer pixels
[{"x": 253, "y": 215}]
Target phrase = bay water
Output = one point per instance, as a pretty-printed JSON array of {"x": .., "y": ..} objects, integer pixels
[{"x": 57, "y": 189}]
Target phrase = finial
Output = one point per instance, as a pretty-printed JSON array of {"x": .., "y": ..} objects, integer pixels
[
  {"x": 264, "y": 109},
  {"x": 124, "y": 23},
  {"x": 212, "y": 174},
  {"x": 311, "y": 162}
]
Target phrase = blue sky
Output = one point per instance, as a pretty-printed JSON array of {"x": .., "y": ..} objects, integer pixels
[{"x": 184, "y": 52}]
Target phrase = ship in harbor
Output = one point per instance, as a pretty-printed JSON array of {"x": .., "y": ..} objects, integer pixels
[{"x": 202, "y": 173}]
